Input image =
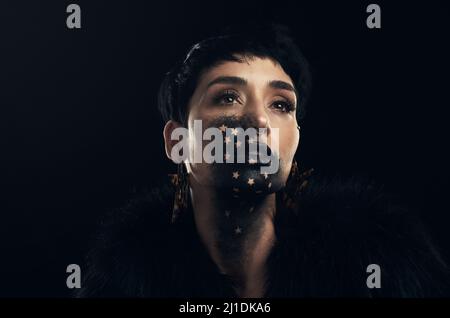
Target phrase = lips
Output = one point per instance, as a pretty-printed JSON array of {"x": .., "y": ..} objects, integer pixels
[
  {"x": 242, "y": 133},
  {"x": 249, "y": 152}
]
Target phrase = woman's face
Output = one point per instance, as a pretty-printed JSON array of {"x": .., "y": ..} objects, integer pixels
[{"x": 254, "y": 93}]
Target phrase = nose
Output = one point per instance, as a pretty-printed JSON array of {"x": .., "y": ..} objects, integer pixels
[
  {"x": 261, "y": 120},
  {"x": 257, "y": 116}
]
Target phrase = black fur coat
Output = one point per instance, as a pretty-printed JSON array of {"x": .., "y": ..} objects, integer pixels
[{"x": 322, "y": 250}]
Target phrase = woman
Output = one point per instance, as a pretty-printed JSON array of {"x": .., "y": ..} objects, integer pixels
[{"x": 230, "y": 229}]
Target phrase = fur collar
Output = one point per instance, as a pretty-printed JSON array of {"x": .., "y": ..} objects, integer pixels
[{"x": 323, "y": 249}]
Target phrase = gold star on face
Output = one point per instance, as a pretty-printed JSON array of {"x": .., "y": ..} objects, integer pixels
[
  {"x": 252, "y": 161},
  {"x": 251, "y": 181},
  {"x": 227, "y": 156},
  {"x": 227, "y": 213},
  {"x": 223, "y": 128},
  {"x": 238, "y": 144},
  {"x": 238, "y": 230},
  {"x": 265, "y": 174},
  {"x": 235, "y": 174},
  {"x": 269, "y": 185},
  {"x": 227, "y": 140},
  {"x": 234, "y": 131}
]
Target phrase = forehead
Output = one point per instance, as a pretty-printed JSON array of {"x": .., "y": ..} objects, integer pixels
[{"x": 257, "y": 71}]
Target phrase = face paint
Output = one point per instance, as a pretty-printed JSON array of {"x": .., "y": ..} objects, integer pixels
[{"x": 240, "y": 173}]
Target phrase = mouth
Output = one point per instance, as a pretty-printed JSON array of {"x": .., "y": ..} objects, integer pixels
[{"x": 249, "y": 153}]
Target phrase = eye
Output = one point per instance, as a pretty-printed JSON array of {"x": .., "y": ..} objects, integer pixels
[
  {"x": 283, "y": 106},
  {"x": 227, "y": 98}
]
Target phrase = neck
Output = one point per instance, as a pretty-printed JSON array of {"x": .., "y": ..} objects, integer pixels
[{"x": 238, "y": 233}]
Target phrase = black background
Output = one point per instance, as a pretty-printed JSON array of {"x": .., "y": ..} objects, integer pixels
[{"x": 80, "y": 131}]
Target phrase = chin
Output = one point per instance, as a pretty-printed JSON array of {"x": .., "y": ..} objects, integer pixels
[{"x": 245, "y": 180}]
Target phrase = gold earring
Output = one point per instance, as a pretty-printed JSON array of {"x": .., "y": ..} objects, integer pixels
[
  {"x": 181, "y": 183},
  {"x": 296, "y": 183}
]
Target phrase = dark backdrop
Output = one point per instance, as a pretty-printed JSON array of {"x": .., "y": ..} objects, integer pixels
[{"x": 80, "y": 131}]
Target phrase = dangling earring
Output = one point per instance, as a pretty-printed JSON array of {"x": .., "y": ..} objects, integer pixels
[
  {"x": 295, "y": 184},
  {"x": 181, "y": 183}
]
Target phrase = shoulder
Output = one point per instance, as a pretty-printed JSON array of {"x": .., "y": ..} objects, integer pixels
[
  {"x": 348, "y": 223},
  {"x": 352, "y": 201},
  {"x": 129, "y": 241}
]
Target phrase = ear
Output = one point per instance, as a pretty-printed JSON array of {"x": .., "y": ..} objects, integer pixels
[{"x": 167, "y": 132}]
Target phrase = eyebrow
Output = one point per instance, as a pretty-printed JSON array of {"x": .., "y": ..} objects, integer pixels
[
  {"x": 228, "y": 80},
  {"x": 283, "y": 85},
  {"x": 277, "y": 84}
]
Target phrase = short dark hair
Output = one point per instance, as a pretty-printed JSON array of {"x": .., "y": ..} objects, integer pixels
[{"x": 264, "y": 41}]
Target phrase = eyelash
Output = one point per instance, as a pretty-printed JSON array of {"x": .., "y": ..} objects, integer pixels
[
  {"x": 288, "y": 106},
  {"x": 220, "y": 100}
]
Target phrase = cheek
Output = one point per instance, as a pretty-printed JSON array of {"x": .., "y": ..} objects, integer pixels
[
  {"x": 289, "y": 140},
  {"x": 200, "y": 171}
]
